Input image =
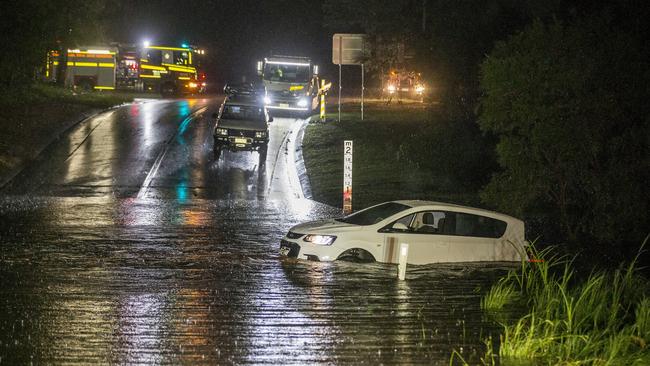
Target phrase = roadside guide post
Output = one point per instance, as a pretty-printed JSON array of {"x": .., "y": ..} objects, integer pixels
[
  {"x": 347, "y": 177},
  {"x": 403, "y": 256},
  {"x": 322, "y": 101}
]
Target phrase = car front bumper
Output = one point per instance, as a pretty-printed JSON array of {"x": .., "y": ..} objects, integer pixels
[
  {"x": 233, "y": 143},
  {"x": 302, "y": 250},
  {"x": 289, "y": 104}
]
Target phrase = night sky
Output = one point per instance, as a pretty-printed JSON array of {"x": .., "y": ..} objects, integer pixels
[{"x": 234, "y": 33}]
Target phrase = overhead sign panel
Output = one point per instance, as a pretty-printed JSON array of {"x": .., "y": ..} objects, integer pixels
[{"x": 348, "y": 49}]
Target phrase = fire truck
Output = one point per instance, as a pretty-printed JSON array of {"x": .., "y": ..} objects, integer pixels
[
  {"x": 168, "y": 70},
  {"x": 290, "y": 83}
]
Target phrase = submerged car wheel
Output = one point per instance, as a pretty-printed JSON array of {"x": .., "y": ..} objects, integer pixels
[{"x": 356, "y": 255}]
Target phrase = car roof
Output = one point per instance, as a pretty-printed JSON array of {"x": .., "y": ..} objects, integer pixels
[{"x": 442, "y": 205}]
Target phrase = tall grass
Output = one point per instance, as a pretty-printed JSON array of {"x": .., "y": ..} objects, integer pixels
[{"x": 601, "y": 320}]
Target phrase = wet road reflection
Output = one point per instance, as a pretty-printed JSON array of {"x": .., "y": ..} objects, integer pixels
[{"x": 103, "y": 261}]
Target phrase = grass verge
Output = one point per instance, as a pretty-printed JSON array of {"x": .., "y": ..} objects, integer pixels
[
  {"x": 29, "y": 118},
  {"x": 400, "y": 152},
  {"x": 601, "y": 320}
]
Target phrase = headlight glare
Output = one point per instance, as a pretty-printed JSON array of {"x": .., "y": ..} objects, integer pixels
[
  {"x": 222, "y": 131},
  {"x": 260, "y": 134},
  {"x": 267, "y": 100},
  {"x": 320, "y": 239},
  {"x": 302, "y": 103}
]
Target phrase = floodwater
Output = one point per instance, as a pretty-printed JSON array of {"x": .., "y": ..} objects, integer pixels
[{"x": 126, "y": 243}]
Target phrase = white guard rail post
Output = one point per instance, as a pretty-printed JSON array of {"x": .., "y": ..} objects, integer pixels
[{"x": 403, "y": 256}]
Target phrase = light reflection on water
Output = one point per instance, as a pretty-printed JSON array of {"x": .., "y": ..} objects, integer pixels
[{"x": 127, "y": 281}]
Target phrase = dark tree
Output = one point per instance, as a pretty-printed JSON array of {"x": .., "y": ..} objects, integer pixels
[{"x": 569, "y": 104}]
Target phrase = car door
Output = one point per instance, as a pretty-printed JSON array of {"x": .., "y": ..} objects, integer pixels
[
  {"x": 475, "y": 237},
  {"x": 426, "y": 244}
]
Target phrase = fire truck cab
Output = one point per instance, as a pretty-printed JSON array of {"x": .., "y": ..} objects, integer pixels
[
  {"x": 290, "y": 83},
  {"x": 169, "y": 70}
]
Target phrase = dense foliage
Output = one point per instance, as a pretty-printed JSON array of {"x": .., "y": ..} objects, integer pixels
[
  {"x": 569, "y": 105},
  {"x": 29, "y": 28}
]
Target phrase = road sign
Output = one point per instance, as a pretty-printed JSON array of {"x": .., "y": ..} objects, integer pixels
[
  {"x": 347, "y": 176},
  {"x": 348, "y": 49}
]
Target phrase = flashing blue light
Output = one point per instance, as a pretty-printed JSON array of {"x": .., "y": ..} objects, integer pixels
[{"x": 184, "y": 45}]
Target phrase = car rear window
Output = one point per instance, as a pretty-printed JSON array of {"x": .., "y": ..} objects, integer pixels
[{"x": 374, "y": 214}]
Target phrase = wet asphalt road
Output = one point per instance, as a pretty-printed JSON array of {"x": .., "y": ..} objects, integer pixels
[{"x": 126, "y": 243}]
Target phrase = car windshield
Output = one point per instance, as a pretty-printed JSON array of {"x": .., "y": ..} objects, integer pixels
[
  {"x": 242, "y": 112},
  {"x": 374, "y": 214},
  {"x": 286, "y": 73}
]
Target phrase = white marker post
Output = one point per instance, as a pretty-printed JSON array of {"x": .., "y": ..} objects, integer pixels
[
  {"x": 322, "y": 101},
  {"x": 347, "y": 177},
  {"x": 403, "y": 256}
]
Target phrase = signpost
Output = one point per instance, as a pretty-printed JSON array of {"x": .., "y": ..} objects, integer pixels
[
  {"x": 347, "y": 177},
  {"x": 349, "y": 49}
]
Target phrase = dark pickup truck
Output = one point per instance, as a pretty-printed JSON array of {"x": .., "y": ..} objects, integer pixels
[{"x": 242, "y": 125}]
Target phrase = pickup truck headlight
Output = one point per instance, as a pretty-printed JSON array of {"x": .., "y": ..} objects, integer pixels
[
  {"x": 260, "y": 134},
  {"x": 302, "y": 102},
  {"x": 222, "y": 131},
  {"x": 320, "y": 239},
  {"x": 267, "y": 100}
]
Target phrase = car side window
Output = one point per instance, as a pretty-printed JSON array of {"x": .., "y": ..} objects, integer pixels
[
  {"x": 429, "y": 222},
  {"x": 458, "y": 224},
  {"x": 479, "y": 226},
  {"x": 406, "y": 220}
]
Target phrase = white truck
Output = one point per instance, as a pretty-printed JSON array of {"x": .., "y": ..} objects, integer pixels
[{"x": 290, "y": 83}]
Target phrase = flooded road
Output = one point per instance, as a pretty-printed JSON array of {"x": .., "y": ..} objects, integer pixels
[{"x": 126, "y": 243}]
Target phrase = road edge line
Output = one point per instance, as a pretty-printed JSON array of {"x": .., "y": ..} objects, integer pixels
[{"x": 92, "y": 113}]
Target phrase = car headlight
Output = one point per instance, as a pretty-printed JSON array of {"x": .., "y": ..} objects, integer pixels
[
  {"x": 193, "y": 85},
  {"x": 320, "y": 239},
  {"x": 302, "y": 103},
  {"x": 222, "y": 131},
  {"x": 391, "y": 88},
  {"x": 267, "y": 100},
  {"x": 260, "y": 134},
  {"x": 419, "y": 88}
]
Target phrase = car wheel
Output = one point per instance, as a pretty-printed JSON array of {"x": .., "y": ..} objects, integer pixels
[{"x": 356, "y": 255}]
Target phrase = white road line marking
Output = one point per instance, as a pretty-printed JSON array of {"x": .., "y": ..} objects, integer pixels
[
  {"x": 142, "y": 193},
  {"x": 292, "y": 170}
]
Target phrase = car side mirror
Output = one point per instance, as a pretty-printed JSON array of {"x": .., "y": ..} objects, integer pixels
[
  {"x": 398, "y": 226},
  {"x": 215, "y": 115},
  {"x": 270, "y": 118}
]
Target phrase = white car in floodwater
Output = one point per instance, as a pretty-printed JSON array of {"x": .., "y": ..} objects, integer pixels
[{"x": 435, "y": 232}]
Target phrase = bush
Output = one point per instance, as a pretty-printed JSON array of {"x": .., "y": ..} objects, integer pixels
[{"x": 568, "y": 104}]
